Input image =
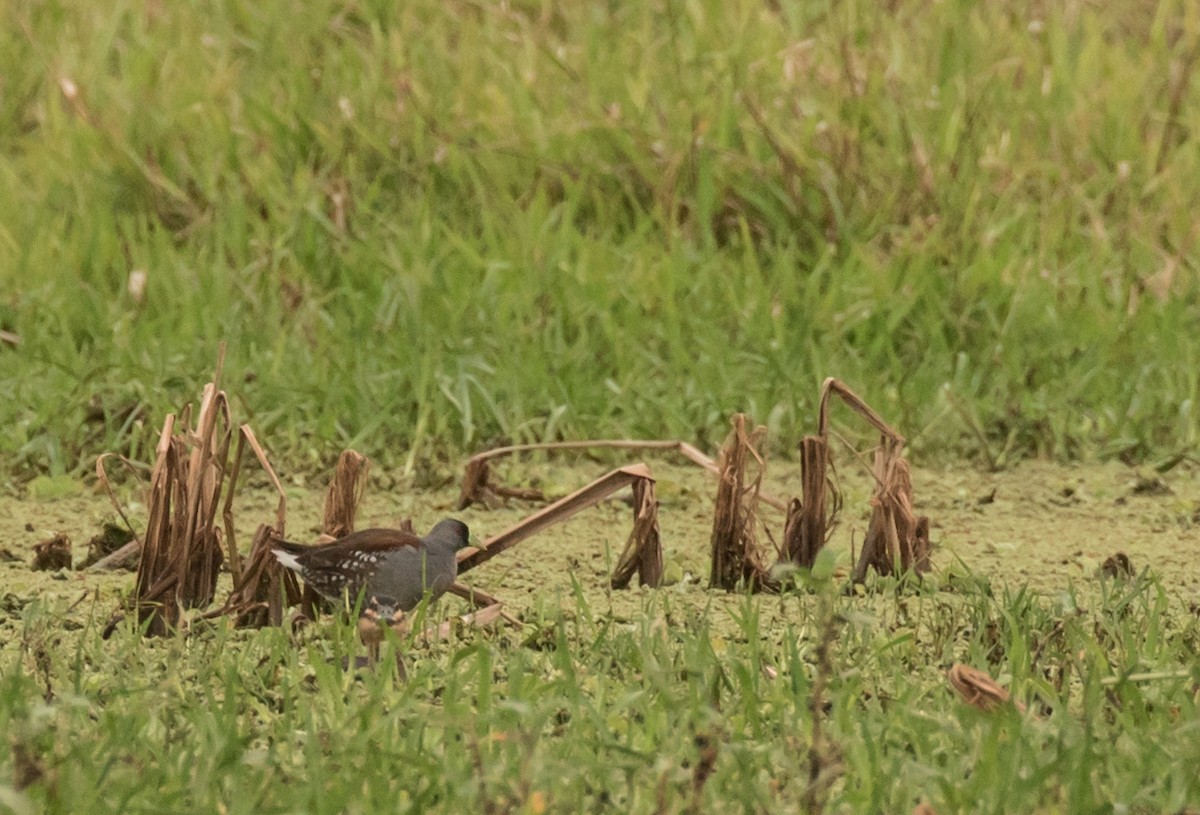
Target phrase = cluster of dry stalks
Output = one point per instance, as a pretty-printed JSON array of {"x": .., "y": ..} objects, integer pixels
[
  {"x": 897, "y": 540},
  {"x": 183, "y": 547},
  {"x": 194, "y": 477}
]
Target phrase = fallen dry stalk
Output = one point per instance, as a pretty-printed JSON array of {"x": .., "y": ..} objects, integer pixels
[
  {"x": 485, "y": 616},
  {"x": 564, "y": 508},
  {"x": 479, "y": 487},
  {"x": 481, "y": 599}
]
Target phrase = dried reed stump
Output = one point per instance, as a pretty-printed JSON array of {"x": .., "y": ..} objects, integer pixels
[
  {"x": 897, "y": 539},
  {"x": 643, "y": 550},
  {"x": 181, "y": 553},
  {"x": 811, "y": 519},
  {"x": 735, "y": 555},
  {"x": 265, "y": 589},
  {"x": 345, "y": 494}
]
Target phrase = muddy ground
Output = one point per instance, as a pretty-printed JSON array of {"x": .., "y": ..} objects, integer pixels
[{"x": 1045, "y": 525}]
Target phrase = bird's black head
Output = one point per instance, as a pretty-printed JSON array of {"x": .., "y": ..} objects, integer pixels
[{"x": 451, "y": 531}]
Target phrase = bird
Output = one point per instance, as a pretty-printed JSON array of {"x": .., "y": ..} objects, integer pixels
[
  {"x": 380, "y": 563},
  {"x": 379, "y": 615}
]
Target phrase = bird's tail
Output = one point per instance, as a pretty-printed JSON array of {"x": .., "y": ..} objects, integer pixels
[{"x": 286, "y": 553}]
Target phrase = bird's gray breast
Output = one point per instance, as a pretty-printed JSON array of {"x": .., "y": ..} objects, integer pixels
[{"x": 405, "y": 574}]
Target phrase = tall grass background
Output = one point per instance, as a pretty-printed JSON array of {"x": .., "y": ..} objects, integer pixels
[{"x": 429, "y": 226}]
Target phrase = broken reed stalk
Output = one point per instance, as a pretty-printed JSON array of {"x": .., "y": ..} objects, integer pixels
[
  {"x": 812, "y": 518},
  {"x": 479, "y": 487},
  {"x": 261, "y": 587},
  {"x": 643, "y": 549},
  {"x": 735, "y": 556},
  {"x": 564, "y": 508},
  {"x": 897, "y": 539},
  {"x": 345, "y": 494},
  {"x": 181, "y": 549}
]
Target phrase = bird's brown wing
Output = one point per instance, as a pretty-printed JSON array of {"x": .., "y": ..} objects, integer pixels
[{"x": 357, "y": 547}]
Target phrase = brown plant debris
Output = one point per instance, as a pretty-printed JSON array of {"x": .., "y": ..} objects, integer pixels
[
  {"x": 564, "y": 508},
  {"x": 708, "y": 749},
  {"x": 345, "y": 494},
  {"x": 262, "y": 588},
  {"x": 897, "y": 540},
  {"x": 643, "y": 549},
  {"x": 52, "y": 554},
  {"x": 27, "y": 765},
  {"x": 735, "y": 555},
  {"x": 342, "y": 500},
  {"x": 482, "y": 600},
  {"x": 977, "y": 688},
  {"x": 1118, "y": 565},
  {"x": 481, "y": 618},
  {"x": 111, "y": 539},
  {"x": 181, "y": 550},
  {"x": 812, "y": 518}
]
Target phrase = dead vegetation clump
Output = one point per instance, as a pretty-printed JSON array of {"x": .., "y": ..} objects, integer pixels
[
  {"x": 643, "y": 549},
  {"x": 897, "y": 540},
  {"x": 733, "y": 546},
  {"x": 52, "y": 554},
  {"x": 811, "y": 518},
  {"x": 181, "y": 549},
  {"x": 345, "y": 494},
  {"x": 111, "y": 539}
]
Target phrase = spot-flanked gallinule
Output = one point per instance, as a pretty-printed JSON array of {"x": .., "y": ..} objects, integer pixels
[{"x": 380, "y": 563}]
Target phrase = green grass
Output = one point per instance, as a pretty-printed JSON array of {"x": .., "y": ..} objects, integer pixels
[
  {"x": 426, "y": 227},
  {"x": 585, "y": 711}
]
